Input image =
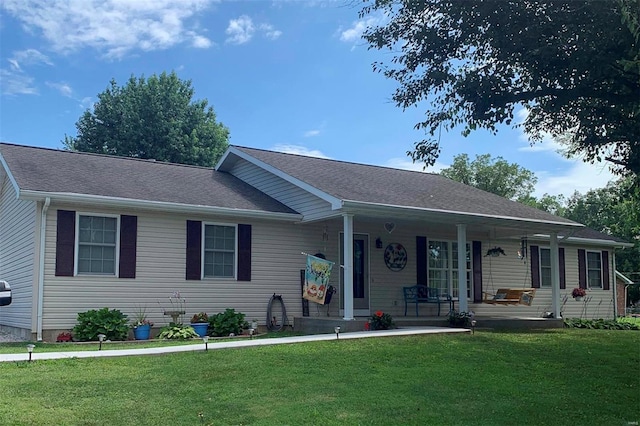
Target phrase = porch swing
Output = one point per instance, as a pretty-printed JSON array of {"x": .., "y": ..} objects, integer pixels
[{"x": 510, "y": 296}]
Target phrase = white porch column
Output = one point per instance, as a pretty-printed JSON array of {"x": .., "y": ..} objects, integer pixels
[
  {"x": 463, "y": 303},
  {"x": 348, "y": 266},
  {"x": 555, "y": 275}
]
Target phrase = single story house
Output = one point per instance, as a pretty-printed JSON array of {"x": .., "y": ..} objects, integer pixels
[{"x": 82, "y": 231}]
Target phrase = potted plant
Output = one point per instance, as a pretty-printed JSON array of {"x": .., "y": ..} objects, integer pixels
[
  {"x": 459, "y": 319},
  {"x": 141, "y": 325},
  {"x": 381, "y": 321},
  {"x": 200, "y": 323},
  {"x": 578, "y": 293}
]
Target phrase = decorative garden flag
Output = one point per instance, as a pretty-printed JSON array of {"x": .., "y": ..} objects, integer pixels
[{"x": 316, "y": 279}]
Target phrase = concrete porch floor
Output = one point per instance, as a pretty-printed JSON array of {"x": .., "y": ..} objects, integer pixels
[{"x": 321, "y": 325}]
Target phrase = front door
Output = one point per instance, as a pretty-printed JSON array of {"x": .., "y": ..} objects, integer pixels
[{"x": 360, "y": 274}]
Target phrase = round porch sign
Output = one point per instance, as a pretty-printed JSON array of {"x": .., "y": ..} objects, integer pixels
[{"x": 395, "y": 257}]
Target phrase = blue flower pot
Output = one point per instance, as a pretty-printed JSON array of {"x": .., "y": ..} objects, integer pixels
[
  {"x": 142, "y": 332},
  {"x": 200, "y": 328}
]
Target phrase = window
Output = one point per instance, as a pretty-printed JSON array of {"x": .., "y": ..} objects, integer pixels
[
  {"x": 219, "y": 251},
  {"x": 443, "y": 267},
  {"x": 97, "y": 243},
  {"x": 594, "y": 269},
  {"x": 545, "y": 267}
]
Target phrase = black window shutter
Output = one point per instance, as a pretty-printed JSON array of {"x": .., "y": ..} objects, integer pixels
[
  {"x": 477, "y": 271},
  {"x": 535, "y": 266},
  {"x": 421, "y": 260},
  {"x": 605, "y": 270},
  {"x": 194, "y": 250},
  {"x": 563, "y": 275},
  {"x": 582, "y": 268},
  {"x": 128, "y": 242},
  {"x": 65, "y": 242},
  {"x": 244, "y": 252}
]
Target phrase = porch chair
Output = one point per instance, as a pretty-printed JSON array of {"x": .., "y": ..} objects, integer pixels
[{"x": 422, "y": 294}]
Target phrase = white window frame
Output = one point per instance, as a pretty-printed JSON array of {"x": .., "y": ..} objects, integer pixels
[
  {"x": 235, "y": 251},
  {"x": 77, "y": 245},
  {"x": 599, "y": 253},
  {"x": 542, "y": 285},
  {"x": 450, "y": 269}
]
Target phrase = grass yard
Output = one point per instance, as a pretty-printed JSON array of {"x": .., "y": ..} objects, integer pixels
[{"x": 555, "y": 377}]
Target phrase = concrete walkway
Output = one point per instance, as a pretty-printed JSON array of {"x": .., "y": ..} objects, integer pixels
[{"x": 221, "y": 344}]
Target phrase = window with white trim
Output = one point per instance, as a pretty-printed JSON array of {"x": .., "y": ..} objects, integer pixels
[
  {"x": 443, "y": 267},
  {"x": 545, "y": 267},
  {"x": 220, "y": 248},
  {"x": 594, "y": 269},
  {"x": 97, "y": 241}
]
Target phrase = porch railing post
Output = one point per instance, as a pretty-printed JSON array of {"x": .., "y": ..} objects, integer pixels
[
  {"x": 555, "y": 275},
  {"x": 348, "y": 266}
]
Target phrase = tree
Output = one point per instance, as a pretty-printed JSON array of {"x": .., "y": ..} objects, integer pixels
[
  {"x": 494, "y": 175},
  {"x": 152, "y": 118},
  {"x": 572, "y": 64}
]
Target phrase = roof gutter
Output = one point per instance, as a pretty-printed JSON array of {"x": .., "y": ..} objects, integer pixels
[
  {"x": 43, "y": 231},
  {"x": 578, "y": 240},
  {"x": 157, "y": 205}
]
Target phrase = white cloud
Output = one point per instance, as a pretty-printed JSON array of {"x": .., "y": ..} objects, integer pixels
[
  {"x": 63, "y": 88},
  {"x": 201, "y": 42},
  {"x": 579, "y": 176},
  {"x": 86, "y": 102},
  {"x": 112, "y": 27},
  {"x": 299, "y": 150},
  {"x": 16, "y": 83},
  {"x": 15, "y": 80},
  {"x": 354, "y": 33},
  {"x": 311, "y": 133},
  {"x": 270, "y": 32},
  {"x": 240, "y": 30},
  {"x": 30, "y": 57}
]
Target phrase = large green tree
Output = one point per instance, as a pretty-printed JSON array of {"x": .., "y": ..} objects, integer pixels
[
  {"x": 152, "y": 118},
  {"x": 573, "y": 64},
  {"x": 494, "y": 175}
]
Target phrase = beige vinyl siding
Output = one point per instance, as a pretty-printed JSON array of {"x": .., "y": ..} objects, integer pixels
[
  {"x": 299, "y": 200},
  {"x": 161, "y": 258},
  {"x": 17, "y": 253}
]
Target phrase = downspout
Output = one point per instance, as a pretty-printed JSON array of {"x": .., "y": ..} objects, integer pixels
[
  {"x": 43, "y": 229},
  {"x": 615, "y": 285}
]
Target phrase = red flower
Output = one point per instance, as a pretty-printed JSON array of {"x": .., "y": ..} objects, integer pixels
[{"x": 379, "y": 314}]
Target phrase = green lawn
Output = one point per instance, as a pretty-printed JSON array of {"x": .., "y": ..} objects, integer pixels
[{"x": 557, "y": 377}]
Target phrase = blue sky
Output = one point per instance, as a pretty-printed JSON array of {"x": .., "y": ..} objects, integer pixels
[{"x": 290, "y": 76}]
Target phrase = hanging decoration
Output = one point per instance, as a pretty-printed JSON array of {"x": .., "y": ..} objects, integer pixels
[
  {"x": 522, "y": 253},
  {"x": 395, "y": 257},
  {"x": 495, "y": 252},
  {"x": 389, "y": 226}
]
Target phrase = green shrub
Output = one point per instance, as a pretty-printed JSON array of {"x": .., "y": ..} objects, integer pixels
[
  {"x": 459, "y": 319},
  {"x": 600, "y": 324},
  {"x": 112, "y": 323},
  {"x": 381, "y": 321},
  {"x": 177, "y": 332},
  {"x": 227, "y": 322}
]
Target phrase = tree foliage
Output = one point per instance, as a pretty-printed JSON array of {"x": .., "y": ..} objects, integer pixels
[
  {"x": 573, "y": 64},
  {"x": 152, "y": 118},
  {"x": 494, "y": 175}
]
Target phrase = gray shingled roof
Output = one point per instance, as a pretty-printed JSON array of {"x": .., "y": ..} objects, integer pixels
[
  {"x": 388, "y": 186},
  {"x": 49, "y": 170}
]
